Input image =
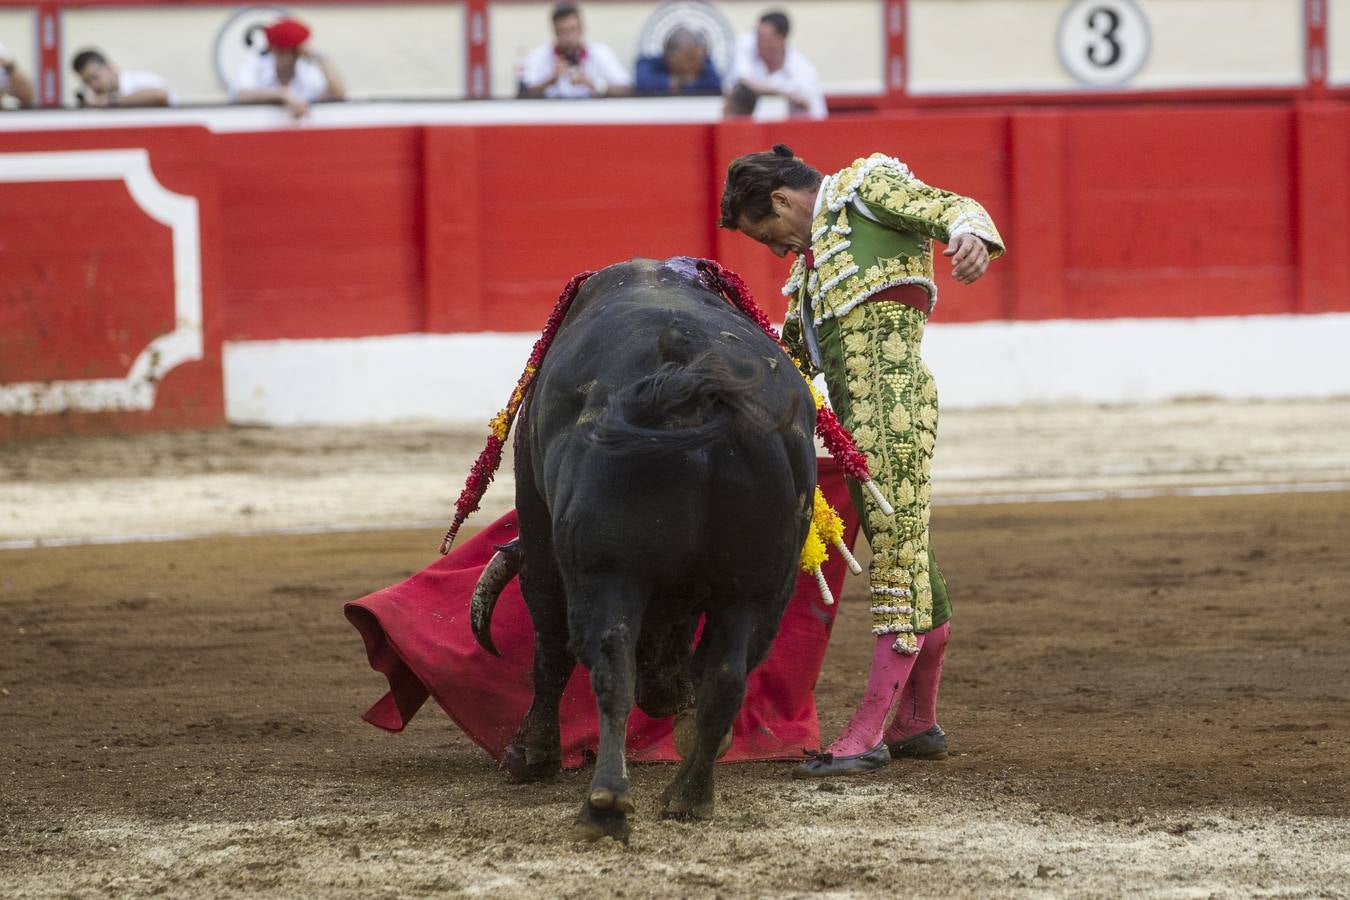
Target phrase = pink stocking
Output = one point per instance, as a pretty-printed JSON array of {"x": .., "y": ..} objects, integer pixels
[
  {"x": 890, "y": 671},
  {"x": 918, "y": 701}
]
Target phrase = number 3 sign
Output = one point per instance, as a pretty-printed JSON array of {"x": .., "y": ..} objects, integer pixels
[{"x": 1103, "y": 42}]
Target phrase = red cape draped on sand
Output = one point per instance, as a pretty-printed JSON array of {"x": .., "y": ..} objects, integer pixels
[{"x": 417, "y": 633}]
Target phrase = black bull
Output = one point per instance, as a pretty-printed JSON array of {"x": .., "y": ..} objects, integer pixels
[{"x": 664, "y": 470}]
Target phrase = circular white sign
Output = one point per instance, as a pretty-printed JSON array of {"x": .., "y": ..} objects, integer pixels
[
  {"x": 1103, "y": 42},
  {"x": 241, "y": 36}
]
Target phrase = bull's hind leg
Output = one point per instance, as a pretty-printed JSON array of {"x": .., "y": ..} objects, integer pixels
[
  {"x": 535, "y": 754},
  {"x": 734, "y": 642},
  {"x": 605, "y": 619}
]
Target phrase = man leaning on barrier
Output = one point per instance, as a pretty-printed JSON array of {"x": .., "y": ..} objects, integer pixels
[
  {"x": 106, "y": 85},
  {"x": 766, "y": 65},
  {"x": 289, "y": 73},
  {"x": 16, "y": 88},
  {"x": 683, "y": 67}
]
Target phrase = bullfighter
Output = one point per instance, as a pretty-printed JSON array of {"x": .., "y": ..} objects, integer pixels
[{"x": 860, "y": 292}]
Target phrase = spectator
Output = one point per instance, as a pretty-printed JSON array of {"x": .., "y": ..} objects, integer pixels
[
  {"x": 682, "y": 68},
  {"x": 765, "y": 65},
  {"x": 107, "y": 85},
  {"x": 16, "y": 88},
  {"x": 571, "y": 68},
  {"x": 288, "y": 73}
]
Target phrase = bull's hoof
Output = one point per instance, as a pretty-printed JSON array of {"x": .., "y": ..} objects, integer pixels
[
  {"x": 684, "y": 809},
  {"x": 519, "y": 769},
  {"x": 619, "y": 801},
  {"x": 604, "y": 815},
  {"x": 686, "y": 735}
]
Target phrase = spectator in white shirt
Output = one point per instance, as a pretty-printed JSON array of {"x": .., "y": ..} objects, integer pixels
[
  {"x": 765, "y": 65},
  {"x": 107, "y": 85},
  {"x": 289, "y": 73},
  {"x": 16, "y": 88},
  {"x": 571, "y": 68}
]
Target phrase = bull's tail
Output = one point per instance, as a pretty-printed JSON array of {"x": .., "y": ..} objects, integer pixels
[
  {"x": 503, "y": 566},
  {"x": 687, "y": 402}
]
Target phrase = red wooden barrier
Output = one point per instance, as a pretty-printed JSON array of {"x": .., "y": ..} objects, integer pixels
[
  {"x": 1108, "y": 211},
  {"x": 322, "y": 232},
  {"x": 1322, "y": 200},
  {"x": 87, "y": 278}
]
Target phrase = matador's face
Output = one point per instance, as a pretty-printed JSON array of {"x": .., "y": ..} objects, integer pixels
[{"x": 787, "y": 228}]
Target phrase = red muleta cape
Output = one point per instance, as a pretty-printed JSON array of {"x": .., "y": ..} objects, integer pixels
[{"x": 417, "y": 633}]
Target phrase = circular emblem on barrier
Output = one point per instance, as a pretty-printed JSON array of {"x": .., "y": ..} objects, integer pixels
[
  {"x": 242, "y": 36},
  {"x": 697, "y": 15},
  {"x": 1103, "y": 42}
]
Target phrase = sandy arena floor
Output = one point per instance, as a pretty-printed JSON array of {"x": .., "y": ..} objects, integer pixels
[{"x": 1144, "y": 696}]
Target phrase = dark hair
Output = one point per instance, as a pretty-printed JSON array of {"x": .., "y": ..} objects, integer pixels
[
  {"x": 752, "y": 178},
  {"x": 778, "y": 20},
  {"x": 564, "y": 11},
  {"x": 85, "y": 57}
]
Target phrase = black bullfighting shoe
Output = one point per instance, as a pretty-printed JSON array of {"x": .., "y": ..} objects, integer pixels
[
  {"x": 930, "y": 744},
  {"x": 826, "y": 765}
]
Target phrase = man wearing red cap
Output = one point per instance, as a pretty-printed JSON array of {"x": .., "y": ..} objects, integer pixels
[{"x": 288, "y": 73}]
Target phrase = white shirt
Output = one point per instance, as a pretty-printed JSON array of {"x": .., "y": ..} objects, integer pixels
[
  {"x": 797, "y": 76},
  {"x": 131, "y": 81},
  {"x": 260, "y": 72},
  {"x": 600, "y": 65}
]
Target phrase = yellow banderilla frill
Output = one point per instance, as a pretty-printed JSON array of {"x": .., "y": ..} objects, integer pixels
[{"x": 826, "y": 526}]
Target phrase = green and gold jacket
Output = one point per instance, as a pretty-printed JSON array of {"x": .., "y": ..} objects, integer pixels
[{"x": 874, "y": 228}]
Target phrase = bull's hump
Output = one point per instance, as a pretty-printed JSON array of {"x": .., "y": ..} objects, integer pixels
[
  {"x": 684, "y": 266},
  {"x": 624, "y": 296},
  {"x": 643, "y": 269}
]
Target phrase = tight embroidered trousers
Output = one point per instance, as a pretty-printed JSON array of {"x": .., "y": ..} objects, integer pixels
[{"x": 885, "y": 395}]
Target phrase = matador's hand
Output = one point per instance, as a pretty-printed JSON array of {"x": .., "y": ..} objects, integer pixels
[{"x": 970, "y": 257}]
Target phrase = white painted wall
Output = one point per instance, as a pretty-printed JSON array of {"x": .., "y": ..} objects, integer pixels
[
  {"x": 393, "y": 50},
  {"x": 1338, "y": 41},
  {"x": 461, "y": 378},
  {"x": 1224, "y": 43},
  {"x": 416, "y": 50},
  {"x": 981, "y": 46},
  {"x": 466, "y": 378},
  {"x": 225, "y": 119}
]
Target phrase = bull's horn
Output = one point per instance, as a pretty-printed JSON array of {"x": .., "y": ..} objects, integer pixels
[{"x": 503, "y": 566}]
